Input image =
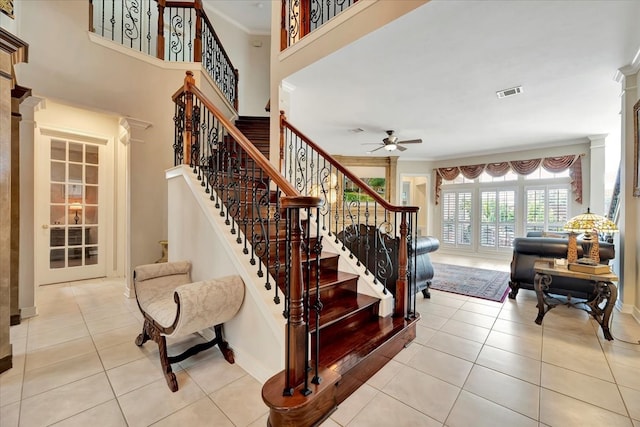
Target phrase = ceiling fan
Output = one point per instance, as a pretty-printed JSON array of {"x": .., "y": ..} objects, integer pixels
[{"x": 391, "y": 143}]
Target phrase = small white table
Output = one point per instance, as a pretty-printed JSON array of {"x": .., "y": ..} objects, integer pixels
[{"x": 603, "y": 289}]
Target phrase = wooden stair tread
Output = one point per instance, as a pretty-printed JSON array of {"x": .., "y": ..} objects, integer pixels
[
  {"x": 343, "y": 304},
  {"x": 331, "y": 280},
  {"x": 358, "y": 341}
]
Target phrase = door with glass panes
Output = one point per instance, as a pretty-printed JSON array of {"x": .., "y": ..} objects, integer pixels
[{"x": 70, "y": 239}]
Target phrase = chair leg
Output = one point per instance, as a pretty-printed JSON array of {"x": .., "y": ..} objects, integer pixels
[
  {"x": 169, "y": 376},
  {"x": 223, "y": 345},
  {"x": 144, "y": 335}
]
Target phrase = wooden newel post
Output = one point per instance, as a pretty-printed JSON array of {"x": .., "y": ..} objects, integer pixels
[
  {"x": 197, "y": 42},
  {"x": 403, "y": 262},
  {"x": 296, "y": 342},
  {"x": 160, "y": 38},
  {"x": 189, "y": 82}
]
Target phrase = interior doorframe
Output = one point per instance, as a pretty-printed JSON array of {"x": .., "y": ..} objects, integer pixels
[
  {"x": 428, "y": 200},
  {"x": 52, "y": 131}
]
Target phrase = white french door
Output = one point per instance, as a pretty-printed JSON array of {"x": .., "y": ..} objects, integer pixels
[{"x": 70, "y": 214}]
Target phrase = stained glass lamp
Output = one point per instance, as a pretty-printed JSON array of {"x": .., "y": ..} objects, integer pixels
[{"x": 590, "y": 224}]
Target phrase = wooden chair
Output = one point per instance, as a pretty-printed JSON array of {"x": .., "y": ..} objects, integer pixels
[{"x": 173, "y": 306}]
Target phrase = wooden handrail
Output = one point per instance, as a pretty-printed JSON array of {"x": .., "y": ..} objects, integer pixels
[
  {"x": 287, "y": 188},
  {"x": 360, "y": 183}
]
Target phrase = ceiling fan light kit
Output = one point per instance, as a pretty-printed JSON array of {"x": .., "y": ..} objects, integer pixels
[{"x": 391, "y": 143}]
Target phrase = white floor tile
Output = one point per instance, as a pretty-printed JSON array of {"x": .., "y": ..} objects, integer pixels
[
  {"x": 63, "y": 402},
  {"x": 354, "y": 404},
  {"x": 441, "y": 365},
  {"x": 67, "y": 371},
  {"x": 559, "y": 410},
  {"x": 510, "y": 392},
  {"x": 153, "y": 402},
  {"x": 583, "y": 387},
  {"x": 456, "y": 346},
  {"x": 384, "y": 411},
  {"x": 241, "y": 401},
  {"x": 472, "y": 410},
  {"x": 512, "y": 364},
  {"x": 106, "y": 414},
  {"x": 424, "y": 393},
  {"x": 201, "y": 413}
]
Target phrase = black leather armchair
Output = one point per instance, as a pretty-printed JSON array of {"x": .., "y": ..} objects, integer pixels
[
  {"x": 528, "y": 250},
  {"x": 379, "y": 253}
]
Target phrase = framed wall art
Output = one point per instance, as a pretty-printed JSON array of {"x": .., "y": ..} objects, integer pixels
[{"x": 6, "y": 7}]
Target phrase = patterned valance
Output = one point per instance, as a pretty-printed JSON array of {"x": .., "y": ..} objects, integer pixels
[{"x": 572, "y": 162}]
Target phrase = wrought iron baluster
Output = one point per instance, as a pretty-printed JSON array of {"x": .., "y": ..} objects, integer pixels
[
  {"x": 277, "y": 263},
  {"x": 317, "y": 306}
]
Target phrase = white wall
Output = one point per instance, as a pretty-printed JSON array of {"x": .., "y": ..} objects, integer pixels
[
  {"x": 251, "y": 61},
  {"x": 71, "y": 68},
  {"x": 198, "y": 234},
  {"x": 358, "y": 20}
]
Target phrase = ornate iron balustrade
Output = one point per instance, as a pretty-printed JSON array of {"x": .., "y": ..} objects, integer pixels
[
  {"x": 263, "y": 210},
  {"x": 301, "y": 17},
  {"x": 169, "y": 30},
  {"x": 378, "y": 234}
]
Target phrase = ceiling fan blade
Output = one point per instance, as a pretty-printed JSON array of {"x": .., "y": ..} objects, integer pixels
[
  {"x": 379, "y": 148},
  {"x": 400, "y": 148},
  {"x": 410, "y": 141}
]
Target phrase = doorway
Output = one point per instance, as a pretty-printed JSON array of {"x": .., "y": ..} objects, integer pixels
[
  {"x": 414, "y": 192},
  {"x": 77, "y": 196},
  {"x": 71, "y": 208}
]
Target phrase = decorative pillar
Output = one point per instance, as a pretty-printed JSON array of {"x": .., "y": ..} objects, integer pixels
[
  {"x": 27, "y": 289},
  {"x": 18, "y": 94},
  {"x": 628, "y": 253},
  {"x": 597, "y": 168},
  {"x": 12, "y": 51}
]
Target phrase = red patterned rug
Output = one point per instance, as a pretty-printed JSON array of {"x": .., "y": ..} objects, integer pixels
[{"x": 474, "y": 282}]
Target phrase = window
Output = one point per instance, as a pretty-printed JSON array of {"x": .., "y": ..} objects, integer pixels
[
  {"x": 497, "y": 218},
  {"x": 485, "y": 214},
  {"x": 456, "y": 217},
  {"x": 547, "y": 208}
]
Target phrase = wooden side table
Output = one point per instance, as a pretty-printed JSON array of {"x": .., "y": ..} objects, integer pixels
[{"x": 603, "y": 290}]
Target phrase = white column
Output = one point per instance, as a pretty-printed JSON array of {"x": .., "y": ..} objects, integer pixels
[
  {"x": 628, "y": 252},
  {"x": 28, "y": 173},
  {"x": 597, "y": 168}
]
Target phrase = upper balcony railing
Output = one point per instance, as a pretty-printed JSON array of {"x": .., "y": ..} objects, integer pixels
[
  {"x": 301, "y": 17},
  {"x": 170, "y": 30}
]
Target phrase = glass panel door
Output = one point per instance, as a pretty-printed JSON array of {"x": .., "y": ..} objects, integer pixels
[{"x": 73, "y": 220}]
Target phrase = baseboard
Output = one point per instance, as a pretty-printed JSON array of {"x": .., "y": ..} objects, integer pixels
[
  {"x": 6, "y": 363},
  {"x": 27, "y": 312}
]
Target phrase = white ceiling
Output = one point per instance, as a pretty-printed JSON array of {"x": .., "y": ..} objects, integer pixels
[{"x": 433, "y": 74}]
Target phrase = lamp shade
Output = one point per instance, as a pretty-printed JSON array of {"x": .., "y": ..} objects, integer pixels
[{"x": 588, "y": 222}]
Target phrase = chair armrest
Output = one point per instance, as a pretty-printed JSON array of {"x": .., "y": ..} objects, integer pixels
[
  {"x": 207, "y": 303},
  {"x": 152, "y": 271}
]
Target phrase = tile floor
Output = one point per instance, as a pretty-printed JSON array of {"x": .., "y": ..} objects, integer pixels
[{"x": 474, "y": 363}]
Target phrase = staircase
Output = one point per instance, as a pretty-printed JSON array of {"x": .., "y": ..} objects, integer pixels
[
  {"x": 337, "y": 336},
  {"x": 256, "y": 129}
]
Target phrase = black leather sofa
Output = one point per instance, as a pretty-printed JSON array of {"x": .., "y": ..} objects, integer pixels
[
  {"x": 534, "y": 247},
  {"x": 379, "y": 253}
]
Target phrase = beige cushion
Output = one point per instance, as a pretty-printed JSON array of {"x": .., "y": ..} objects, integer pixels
[{"x": 163, "y": 290}]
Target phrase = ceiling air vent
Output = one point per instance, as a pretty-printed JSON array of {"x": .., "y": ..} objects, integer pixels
[{"x": 509, "y": 92}]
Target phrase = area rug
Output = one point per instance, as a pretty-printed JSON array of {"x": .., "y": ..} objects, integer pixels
[{"x": 474, "y": 282}]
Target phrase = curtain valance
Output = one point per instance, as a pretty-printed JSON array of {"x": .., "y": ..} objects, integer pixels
[{"x": 572, "y": 162}]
